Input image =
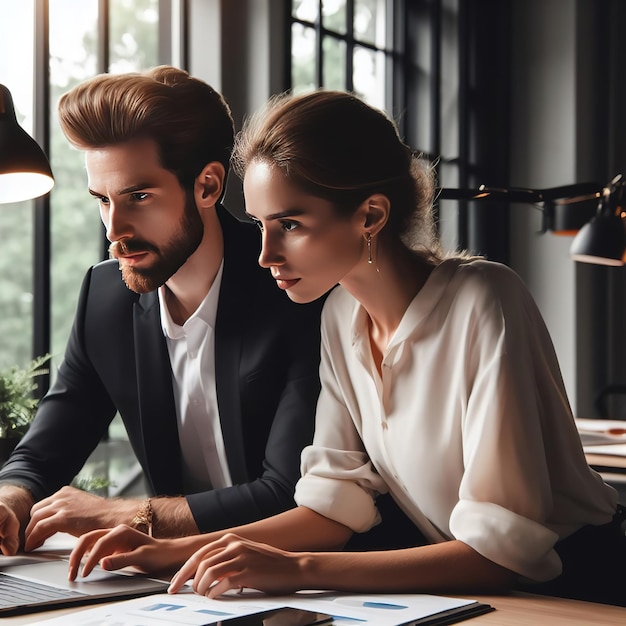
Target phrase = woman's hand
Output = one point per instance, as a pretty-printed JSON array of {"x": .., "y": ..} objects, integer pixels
[
  {"x": 233, "y": 562},
  {"x": 124, "y": 546}
]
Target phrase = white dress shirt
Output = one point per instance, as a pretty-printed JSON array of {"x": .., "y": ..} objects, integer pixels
[
  {"x": 192, "y": 357},
  {"x": 469, "y": 427}
]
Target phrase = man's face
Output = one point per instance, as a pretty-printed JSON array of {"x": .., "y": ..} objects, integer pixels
[{"x": 152, "y": 224}]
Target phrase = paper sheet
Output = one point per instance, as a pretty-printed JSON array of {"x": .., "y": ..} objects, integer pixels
[{"x": 189, "y": 609}]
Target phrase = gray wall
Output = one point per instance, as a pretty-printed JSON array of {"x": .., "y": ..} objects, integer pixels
[{"x": 543, "y": 154}]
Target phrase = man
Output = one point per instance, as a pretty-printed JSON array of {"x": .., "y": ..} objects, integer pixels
[{"x": 211, "y": 367}]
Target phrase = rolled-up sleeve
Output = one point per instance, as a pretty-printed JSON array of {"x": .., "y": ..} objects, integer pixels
[
  {"x": 508, "y": 539},
  {"x": 341, "y": 486}
]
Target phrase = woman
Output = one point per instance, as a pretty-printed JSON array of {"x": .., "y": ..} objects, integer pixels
[{"x": 439, "y": 384}]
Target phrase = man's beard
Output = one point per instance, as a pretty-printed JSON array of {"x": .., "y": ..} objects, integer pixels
[{"x": 170, "y": 258}]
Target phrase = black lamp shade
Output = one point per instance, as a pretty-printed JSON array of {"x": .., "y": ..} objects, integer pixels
[
  {"x": 24, "y": 169},
  {"x": 601, "y": 241}
]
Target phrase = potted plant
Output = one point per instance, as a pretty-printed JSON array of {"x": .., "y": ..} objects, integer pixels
[{"x": 18, "y": 403}]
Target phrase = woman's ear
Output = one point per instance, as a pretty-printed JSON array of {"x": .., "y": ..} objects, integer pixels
[
  {"x": 374, "y": 213},
  {"x": 209, "y": 185}
]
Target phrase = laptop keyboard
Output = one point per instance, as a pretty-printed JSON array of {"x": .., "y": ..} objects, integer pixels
[{"x": 19, "y": 591}]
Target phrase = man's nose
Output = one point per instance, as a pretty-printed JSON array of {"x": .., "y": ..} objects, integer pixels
[{"x": 116, "y": 223}]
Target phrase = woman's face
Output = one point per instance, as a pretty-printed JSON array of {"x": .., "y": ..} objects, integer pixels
[{"x": 307, "y": 246}]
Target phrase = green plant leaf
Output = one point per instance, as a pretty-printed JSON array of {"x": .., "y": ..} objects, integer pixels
[{"x": 18, "y": 404}]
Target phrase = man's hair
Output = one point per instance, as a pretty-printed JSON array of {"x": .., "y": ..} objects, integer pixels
[{"x": 190, "y": 122}]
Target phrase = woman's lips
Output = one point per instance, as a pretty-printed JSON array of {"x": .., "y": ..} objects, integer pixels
[{"x": 286, "y": 284}]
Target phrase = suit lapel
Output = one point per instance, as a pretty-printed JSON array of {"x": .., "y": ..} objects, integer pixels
[
  {"x": 157, "y": 411},
  {"x": 229, "y": 328}
]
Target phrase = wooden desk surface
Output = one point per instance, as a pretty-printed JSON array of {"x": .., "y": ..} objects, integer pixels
[
  {"x": 607, "y": 461},
  {"x": 518, "y": 609},
  {"x": 525, "y": 609}
]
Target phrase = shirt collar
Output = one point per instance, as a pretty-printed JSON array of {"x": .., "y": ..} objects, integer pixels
[
  {"x": 418, "y": 310},
  {"x": 207, "y": 311}
]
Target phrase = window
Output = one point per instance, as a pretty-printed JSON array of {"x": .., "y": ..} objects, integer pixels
[
  {"x": 344, "y": 45},
  {"x": 53, "y": 45}
]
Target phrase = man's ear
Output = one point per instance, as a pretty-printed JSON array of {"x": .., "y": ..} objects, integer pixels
[
  {"x": 374, "y": 213},
  {"x": 209, "y": 185}
]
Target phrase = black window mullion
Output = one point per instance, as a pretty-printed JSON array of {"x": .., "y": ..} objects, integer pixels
[
  {"x": 41, "y": 206},
  {"x": 436, "y": 35},
  {"x": 435, "y": 72},
  {"x": 463, "y": 60},
  {"x": 395, "y": 93},
  {"x": 102, "y": 63},
  {"x": 350, "y": 45},
  {"x": 319, "y": 41}
]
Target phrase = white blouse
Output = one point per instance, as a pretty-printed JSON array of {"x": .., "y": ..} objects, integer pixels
[{"x": 469, "y": 427}]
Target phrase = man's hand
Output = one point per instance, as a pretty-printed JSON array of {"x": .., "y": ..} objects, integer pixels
[
  {"x": 15, "y": 504},
  {"x": 74, "y": 511}
]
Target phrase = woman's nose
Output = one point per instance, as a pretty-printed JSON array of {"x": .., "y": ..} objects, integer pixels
[{"x": 270, "y": 255}]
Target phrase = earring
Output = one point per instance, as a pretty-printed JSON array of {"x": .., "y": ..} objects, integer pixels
[{"x": 369, "y": 248}]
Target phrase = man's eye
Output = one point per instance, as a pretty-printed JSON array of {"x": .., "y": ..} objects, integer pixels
[
  {"x": 288, "y": 225},
  {"x": 258, "y": 224},
  {"x": 138, "y": 195},
  {"x": 101, "y": 199}
]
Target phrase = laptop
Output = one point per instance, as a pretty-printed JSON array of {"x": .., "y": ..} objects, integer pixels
[{"x": 39, "y": 583}]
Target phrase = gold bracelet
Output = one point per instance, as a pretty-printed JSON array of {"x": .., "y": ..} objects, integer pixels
[{"x": 144, "y": 518}]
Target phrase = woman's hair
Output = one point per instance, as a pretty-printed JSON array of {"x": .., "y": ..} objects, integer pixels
[
  {"x": 333, "y": 145},
  {"x": 190, "y": 122}
]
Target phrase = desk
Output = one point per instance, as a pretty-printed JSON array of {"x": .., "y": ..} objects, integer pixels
[
  {"x": 609, "y": 463},
  {"x": 612, "y": 468},
  {"x": 518, "y": 609},
  {"x": 608, "y": 460}
]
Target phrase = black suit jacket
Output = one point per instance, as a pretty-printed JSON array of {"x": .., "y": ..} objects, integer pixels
[{"x": 266, "y": 358}]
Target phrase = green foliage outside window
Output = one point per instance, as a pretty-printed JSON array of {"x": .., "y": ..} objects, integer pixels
[{"x": 77, "y": 236}]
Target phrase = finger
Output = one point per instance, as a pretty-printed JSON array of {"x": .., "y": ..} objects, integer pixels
[
  {"x": 117, "y": 541},
  {"x": 9, "y": 545},
  {"x": 9, "y": 535},
  {"x": 38, "y": 530},
  {"x": 221, "y": 587},
  {"x": 180, "y": 578},
  {"x": 188, "y": 569},
  {"x": 82, "y": 548},
  {"x": 100, "y": 549},
  {"x": 41, "y": 505},
  {"x": 83, "y": 544},
  {"x": 123, "y": 559}
]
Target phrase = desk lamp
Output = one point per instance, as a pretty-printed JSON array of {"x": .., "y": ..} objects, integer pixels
[
  {"x": 567, "y": 211},
  {"x": 24, "y": 169},
  {"x": 603, "y": 239}
]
